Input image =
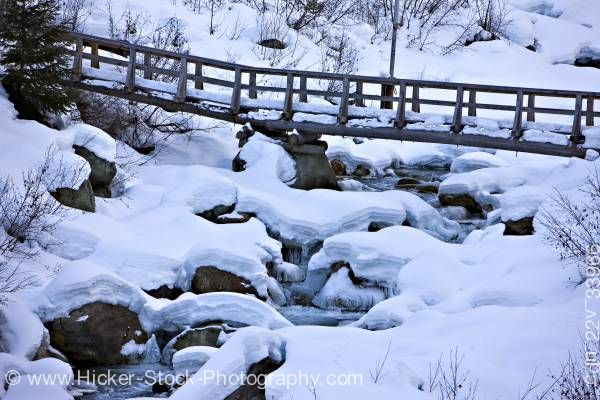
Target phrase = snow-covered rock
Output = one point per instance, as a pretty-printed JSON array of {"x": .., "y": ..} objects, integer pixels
[
  {"x": 193, "y": 310},
  {"x": 189, "y": 360},
  {"x": 390, "y": 312},
  {"x": 476, "y": 160},
  {"x": 80, "y": 283},
  {"x": 374, "y": 257},
  {"x": 340, "y": 292},
  {"x": 21, "y": 331},
  {"x": 95, "y": 140},
  {"x": 28, "y": 384},
  {"x": 246, "y": 348}
]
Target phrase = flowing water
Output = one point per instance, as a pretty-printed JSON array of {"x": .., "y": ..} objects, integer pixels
[
  {"x": 120, "y": 382},
  {"x": 143, "y": 375}
]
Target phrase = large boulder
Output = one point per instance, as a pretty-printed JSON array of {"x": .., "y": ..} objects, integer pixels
[
  {"x": 211, "y": 279},
  {"x": 205, "y": 335},
  {"x": 339, "y": 168},
  {"x": 82, "y": 198},
  {"x": 102, "y": 174},
  {"x": 97, "y": 334},
  {"x": 313, "y": 170},
  {"x": 460, "y": 199},
  {"x": 521, "y": 227}
]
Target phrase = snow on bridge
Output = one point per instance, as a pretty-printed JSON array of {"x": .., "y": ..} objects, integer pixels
[{"x": 357, "y": 106}]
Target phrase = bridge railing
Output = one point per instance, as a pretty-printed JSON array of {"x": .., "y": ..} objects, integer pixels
[{"x": 348, "y": 90}]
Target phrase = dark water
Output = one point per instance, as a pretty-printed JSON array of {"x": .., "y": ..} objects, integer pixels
[
  {"x": 384, "y": 183},
  {"x": 137, "y": 380}
]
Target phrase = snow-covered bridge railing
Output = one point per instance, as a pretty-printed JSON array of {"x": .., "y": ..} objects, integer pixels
[{"x": 360, "y": 106}]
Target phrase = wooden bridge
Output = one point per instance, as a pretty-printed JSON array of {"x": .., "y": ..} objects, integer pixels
[{"x": 356, "y": 106}]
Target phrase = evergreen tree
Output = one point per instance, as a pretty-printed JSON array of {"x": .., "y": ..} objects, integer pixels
[{"x": 35, "y": 57}]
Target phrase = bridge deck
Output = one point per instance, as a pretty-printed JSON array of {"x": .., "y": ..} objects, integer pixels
[{"x": 280, "y": 100}]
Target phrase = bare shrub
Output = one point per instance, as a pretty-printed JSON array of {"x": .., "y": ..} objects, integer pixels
[
  {"x": 572, "y": 226},
  {"x": 378, "y": 371},
  {"x": 339, "y": 56},
  {"x": 449, "y": 380},
  {"x": 27, "y": 214},
  {"x": 74, "y": 13},
  {"x": 493, "y": 16}
]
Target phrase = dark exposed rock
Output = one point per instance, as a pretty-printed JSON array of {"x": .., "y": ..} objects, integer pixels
[
  {"x": 588, "y": 57},
  {"x": 103, "y": 172},
  {"x": 230, "y": 219},
  {"x": 338, "y": 167},
  {"x": 255, "y": 391},
  {"x": 524, "y": 226},
  {"x": 95, "y": 334},
  {"x": 209, "y": 279},
  {"x": 272, "y": 44},
  {"x": 214, "y": 213},
  {"x": 165, "y": 292},
  {"x": 205, "y": 335},
  {"x": 313, "y": 170},
  {"x": 377, "y": 226},
  {"x": 238, "y": 164},
  {"x": 361, "y": 171},
  {"x": 159, "y": 387},
  {"x": 407, "y": 181},
  {"x": 464, "y": 200},
  {"x": 82, "y": 198}
]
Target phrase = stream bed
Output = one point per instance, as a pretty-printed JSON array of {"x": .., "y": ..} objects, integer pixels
[{"x": 142, "y": 375}]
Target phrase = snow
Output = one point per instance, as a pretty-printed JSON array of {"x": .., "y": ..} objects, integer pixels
[
  {"x": 191, "y": 310},
  {"x": 341, "y": 292},
  {"x": 390, "y": 312},
  {"x": 507, "y": 302},
  {"x": 21, "y": 332},
  {"x": 260, "y": 152},
  {"x": 534, "y": 135},
  {"x": 246, "y": 348},
  {"x": 95, "y": 140},
  {"x": 82, "y": 282},
  {"x": 476, "y": 160},
  {"x": 27, "y": 386},
  {"x": 247, "y": 263},
  {"x": 363, "y": 252},
  {"x": 521, "y": 202},
  {"x": 132, "y": 349}
]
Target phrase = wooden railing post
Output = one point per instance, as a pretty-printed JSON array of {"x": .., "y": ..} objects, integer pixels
[
  {"x": 147, "y": 66},
  {"x": 415, "y": 104},
  {"x": 252, "y": 93},
  {"x": 343, "y": 111},
  {"x": 236, "y": 94},
  {"x": 303, "y": 88},
  {"x": 472, "y": 110},
  {"x": 387, "y": 90},
  {"x": 517, "y": 130},
  {"x": 77, "y": 60},
  {"x": 289, "y": 97},
  {"x": 358, "y": 100},
  {"x": 198, "y": 80},
  {"x": 589, "y": 112},
  {"x": 131, "y": 68},
  {"x": 401, "y": 112},
  {"x": 458, "y": 109},
  {"x": 531, "y": 107},
  {"x": 576, "y": 131},
  {"x": 182, "y": 82},
  {"x": 94, "y": 50}
]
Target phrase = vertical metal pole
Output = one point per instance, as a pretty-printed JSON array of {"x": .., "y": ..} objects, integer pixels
[{"x": 394, "y": 37}]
